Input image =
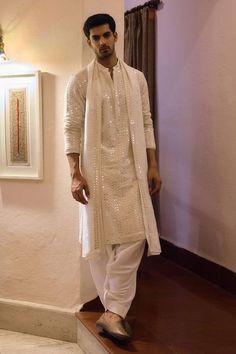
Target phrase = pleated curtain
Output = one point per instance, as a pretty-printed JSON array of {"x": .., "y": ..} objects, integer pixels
[
  {"x": 140, "y": 53},
  {"x": 139, "y": 48}
]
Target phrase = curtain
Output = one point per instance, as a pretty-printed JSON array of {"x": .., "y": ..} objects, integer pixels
[
  {"x": 140, "y": 53},
  {"x": 139, "y": 48}
]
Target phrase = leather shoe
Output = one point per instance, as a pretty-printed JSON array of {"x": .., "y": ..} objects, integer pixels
[{"x": 119, "y": 329}]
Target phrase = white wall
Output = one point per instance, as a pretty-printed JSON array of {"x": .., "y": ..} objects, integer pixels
[
  {"x": 197, "y": 110},
  {"x": 196, "y": 82},
  {"x": 129, "y": 4},
  {"x": 39, "y": 257}
]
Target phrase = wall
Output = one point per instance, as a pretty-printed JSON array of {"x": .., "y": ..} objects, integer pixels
[
  {"x": 39, "y": 256},
  {"x": 129, "y": 4},
  {"x": 197, "y": 109},
  {"x": 197, "y": 126}
]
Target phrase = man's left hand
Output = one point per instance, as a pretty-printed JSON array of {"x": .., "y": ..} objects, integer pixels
[{"x": 154, "y": 180}]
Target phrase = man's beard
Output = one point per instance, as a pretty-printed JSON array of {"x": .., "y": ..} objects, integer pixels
[{"x": 105, "y": 52}]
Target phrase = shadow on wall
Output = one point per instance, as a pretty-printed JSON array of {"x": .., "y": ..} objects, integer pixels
[
  {"x": 183, "y": 222},
  {"x": 30, "y": 194}
]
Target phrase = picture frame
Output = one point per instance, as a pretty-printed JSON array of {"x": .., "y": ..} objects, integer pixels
[{"x": 21, "y": 141}]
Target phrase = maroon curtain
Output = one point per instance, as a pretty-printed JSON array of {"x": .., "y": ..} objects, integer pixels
[
  {"x": 140, "y": 53},
  {"x": 139, "y": 48}
]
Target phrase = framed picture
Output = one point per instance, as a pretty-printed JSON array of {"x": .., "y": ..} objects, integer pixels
[{"x": 21, "y": 148}]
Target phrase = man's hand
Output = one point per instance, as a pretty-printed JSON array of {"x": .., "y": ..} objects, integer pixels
[
  {"x": 154, "y": 180},
  {"x": 79, "y": 189},
  {"x": 79, "y": 186}
]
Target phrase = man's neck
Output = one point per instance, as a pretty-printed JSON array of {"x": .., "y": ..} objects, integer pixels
[{"x": 108, "y": 62}]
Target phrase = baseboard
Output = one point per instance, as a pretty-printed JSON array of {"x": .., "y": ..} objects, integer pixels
[
  {"x": 209, "y": 270},
  {"x": 38, "y": 319}
]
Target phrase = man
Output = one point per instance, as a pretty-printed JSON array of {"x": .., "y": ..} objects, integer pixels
[{"x": 110, "y": 147}]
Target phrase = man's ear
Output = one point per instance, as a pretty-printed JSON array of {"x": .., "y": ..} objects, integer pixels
[
  {"x": 89, "y": 42},
  {"x": 115, "y": 36}
]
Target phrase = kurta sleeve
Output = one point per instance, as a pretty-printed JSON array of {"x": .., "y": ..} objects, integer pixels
[
  {"x": 147, "y": 120},
  {"x": 74, "y": 115}
]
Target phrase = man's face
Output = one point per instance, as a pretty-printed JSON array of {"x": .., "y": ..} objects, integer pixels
[{"x": 102, "y": 41}]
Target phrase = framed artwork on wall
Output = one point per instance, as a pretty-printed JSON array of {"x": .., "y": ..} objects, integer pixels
[{"x": 21, "y": 147}]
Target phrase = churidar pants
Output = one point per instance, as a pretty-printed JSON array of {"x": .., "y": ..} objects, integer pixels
[{"x": 115, "y": 275}]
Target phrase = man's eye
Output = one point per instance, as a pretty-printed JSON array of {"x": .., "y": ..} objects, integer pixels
[{"x": 106, "y": 35}]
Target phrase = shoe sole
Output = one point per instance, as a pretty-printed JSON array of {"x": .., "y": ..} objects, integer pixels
[{"x": 102, "y": 330}]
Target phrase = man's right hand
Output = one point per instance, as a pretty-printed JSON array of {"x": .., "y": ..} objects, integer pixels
[{"x": 79, "y": 189}]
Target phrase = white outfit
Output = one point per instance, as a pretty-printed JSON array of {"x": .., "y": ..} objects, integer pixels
[
  {"x": 121, "y": 202},
  {"x": 115, "y": 275},
  {"x": 108, "y": 123}
]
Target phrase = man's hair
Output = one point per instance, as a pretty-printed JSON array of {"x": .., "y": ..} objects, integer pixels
[{"x": 98, "y": 20}]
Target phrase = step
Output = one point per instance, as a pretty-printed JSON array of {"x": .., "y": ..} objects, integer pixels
[
  {"x": 93, "y": 343},
  {"x": 174, "y": 312}
]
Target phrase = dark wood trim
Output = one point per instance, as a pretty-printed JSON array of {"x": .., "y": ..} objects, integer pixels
[{"x": 209, "y": 270}]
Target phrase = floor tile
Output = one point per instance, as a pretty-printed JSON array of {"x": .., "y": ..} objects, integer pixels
[{"x": 20, "y": 343}]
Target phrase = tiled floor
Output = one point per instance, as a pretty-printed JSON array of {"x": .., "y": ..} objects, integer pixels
[{"x": 20, "y": 343}]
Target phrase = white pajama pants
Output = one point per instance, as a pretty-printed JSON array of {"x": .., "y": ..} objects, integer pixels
[{"x": 115, "y": 275}]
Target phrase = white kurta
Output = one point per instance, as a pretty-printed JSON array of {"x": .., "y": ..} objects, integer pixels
[
  {"x": 98, "y": 125},
  {"x": 121, "y": 203}
]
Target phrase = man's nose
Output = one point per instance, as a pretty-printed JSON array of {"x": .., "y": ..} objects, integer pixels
[{"x": 102, "y": 41}]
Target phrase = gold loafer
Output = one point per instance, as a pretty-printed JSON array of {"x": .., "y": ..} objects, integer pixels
[{"x": 119, "y": 330}]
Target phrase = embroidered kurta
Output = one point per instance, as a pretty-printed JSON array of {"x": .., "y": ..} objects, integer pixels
[{"x": 121, "y": 202}]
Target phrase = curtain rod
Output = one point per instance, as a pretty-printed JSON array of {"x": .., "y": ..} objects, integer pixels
[{"x": 156, "y": 4}]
